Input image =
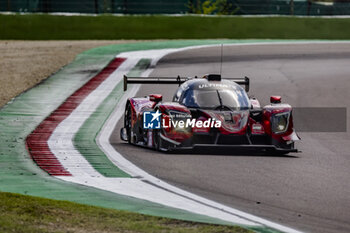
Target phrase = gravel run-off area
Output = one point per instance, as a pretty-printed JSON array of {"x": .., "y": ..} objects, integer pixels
[{"x": 23, "y": 64}]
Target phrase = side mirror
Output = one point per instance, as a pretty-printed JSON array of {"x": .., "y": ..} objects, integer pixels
[
  {"x": 275, "y": 99},
  {"x": 155, "y": 97}
]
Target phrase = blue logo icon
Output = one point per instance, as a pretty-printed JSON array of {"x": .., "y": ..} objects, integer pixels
[{"x": 151, "y": 120}]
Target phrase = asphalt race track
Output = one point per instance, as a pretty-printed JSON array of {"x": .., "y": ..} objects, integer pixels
[{"x": 308, "y": 191}]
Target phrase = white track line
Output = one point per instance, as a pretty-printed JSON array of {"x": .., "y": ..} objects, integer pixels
[{"x": 61, "y": 140}]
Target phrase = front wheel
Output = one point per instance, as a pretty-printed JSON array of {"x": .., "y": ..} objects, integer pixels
[
  {"x": 156, "y": 139},
  {"x": 281, "y": 152},
  {"x": 278, "y": 153}
]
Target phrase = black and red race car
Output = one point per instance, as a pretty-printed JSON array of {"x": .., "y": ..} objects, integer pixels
[{"x": 207, "y": 112}]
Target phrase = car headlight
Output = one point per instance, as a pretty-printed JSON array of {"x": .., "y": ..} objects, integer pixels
[{"x": 280, "y": 122}]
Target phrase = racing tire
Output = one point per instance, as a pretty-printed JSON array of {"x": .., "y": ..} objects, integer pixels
[
  {"x": 127, "y": 122},
  {"x": 281, "y": 153},
  {"x": 156, "y": 139}
]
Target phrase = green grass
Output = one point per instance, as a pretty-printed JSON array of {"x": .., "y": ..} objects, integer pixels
[
  {"x": 50, "y": 27},
  {"x": 20, "y": 213}
]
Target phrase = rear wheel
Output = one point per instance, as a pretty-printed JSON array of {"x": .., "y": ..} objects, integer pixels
[{"x": 127, "y": 122}]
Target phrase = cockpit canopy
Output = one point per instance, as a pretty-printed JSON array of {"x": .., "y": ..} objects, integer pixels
[{"x": 201, "y": 93}]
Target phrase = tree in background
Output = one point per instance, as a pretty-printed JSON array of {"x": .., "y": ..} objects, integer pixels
[{"x": 211, "y": 7}]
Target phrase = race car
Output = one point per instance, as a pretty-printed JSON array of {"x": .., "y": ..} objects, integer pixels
[{"x": 207, "y": 112}]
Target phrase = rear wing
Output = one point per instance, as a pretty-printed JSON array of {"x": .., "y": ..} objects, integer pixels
[
  {"x": 154, "y": 80},
  {"x": 242, "y": 81},
  {"x": 174, "y": 80}
]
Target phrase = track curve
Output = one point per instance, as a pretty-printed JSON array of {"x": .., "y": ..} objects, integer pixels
[{"x": 309, "y": 191}]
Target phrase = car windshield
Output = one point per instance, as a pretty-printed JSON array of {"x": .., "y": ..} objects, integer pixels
[{"x": 215, "y": 98}]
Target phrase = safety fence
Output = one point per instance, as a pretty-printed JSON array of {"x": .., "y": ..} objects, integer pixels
[{"x": 236, "y": 7}]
